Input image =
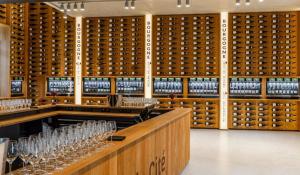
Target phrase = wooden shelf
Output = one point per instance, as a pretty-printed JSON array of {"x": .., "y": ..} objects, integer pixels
[
  {"x": 250, "y": 114},
  {"x": 52, "y": 49},
  {"x": 114, "y": 46},
  {"x": 186, "y": 45},
  {"x": 264, "y": 44},
  {"x": 205, "y": 111}
]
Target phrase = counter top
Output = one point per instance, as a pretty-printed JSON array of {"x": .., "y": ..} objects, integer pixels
[{"x": 27, "y": 118}]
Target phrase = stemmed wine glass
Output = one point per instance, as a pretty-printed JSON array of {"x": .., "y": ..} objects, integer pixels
[
  {"x": 112, "y": 129},
  {"x": 12, "y": 153},
  {"x": 24, "y": 152}
]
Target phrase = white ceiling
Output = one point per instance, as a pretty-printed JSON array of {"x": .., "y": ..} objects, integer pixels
[{"x": 116, "y": 8}]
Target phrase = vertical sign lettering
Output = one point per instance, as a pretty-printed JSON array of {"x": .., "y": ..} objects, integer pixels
[
  {"x": 78, "y": 68},
  {"x": 224, "y": 71},
  {"x": 148, "y": 57}
]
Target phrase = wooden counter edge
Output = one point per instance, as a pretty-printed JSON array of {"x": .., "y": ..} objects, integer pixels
[
  {"x": 132, "y": 134},
  {"x": 18, "y": 120}
]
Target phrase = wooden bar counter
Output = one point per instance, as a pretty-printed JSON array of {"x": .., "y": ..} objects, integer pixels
[{"x": 160, "y": 145}]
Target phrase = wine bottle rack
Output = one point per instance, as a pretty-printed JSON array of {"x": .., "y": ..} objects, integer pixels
[
  {"x": 130, "y": 86},
  {"x": 94, "y": 86},
  {"x": 51, "y": 49},
  {"x": 114, "y": 46},
  {"x": 60, "y": 86},
  {"x": 203, "y": 87},
  {"x": 186, "y": 45},
  {"x": 205, "y": 111},
  {"x": 245, "y": 87},
  {"x": 167, "y": 86},
  {"x": 3, "y": 13},
  {"x": 18, "y": 42},
  {"x": 263, "y": 114},
  {"x": 264, "y": 44},
  {"x": 283, "y": 87}
]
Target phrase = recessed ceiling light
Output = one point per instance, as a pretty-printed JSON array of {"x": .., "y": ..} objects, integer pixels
[
  {"x": 133, "y": 4},
  {"x": 238, "y": 2},
  {"x": 188, "y": 3},
  {"x": 82, "y": 6},
  {"x": 178, "y": 3},
  {"x": 68, "y": 7},
  {"x": 126, "y": 4},
  {"x": 247, "y": 2},
  {"x": 75, "y": 8},
  {"x": 261, "y": 0},
  {"x": 62, "y": 7}
]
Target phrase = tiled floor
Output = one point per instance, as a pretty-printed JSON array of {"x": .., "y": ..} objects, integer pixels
[{"x": 215, "y": 152}]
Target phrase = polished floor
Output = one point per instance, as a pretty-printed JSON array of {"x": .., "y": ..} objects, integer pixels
[{"x": 215, "y": 152}]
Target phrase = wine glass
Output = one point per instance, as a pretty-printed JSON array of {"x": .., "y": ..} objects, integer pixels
[
  {"x": 12, "y": 153},
  {"x": 24, "y": 151},
  {"x": 112, "y": 128}
]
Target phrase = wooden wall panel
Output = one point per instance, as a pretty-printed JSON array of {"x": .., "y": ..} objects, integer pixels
[
  {"x": 4, "y": 16},
  {"x": 52, "y": 49},
  {"x": 186, "y": 45},
  {"x": 263, "y": 114},
  {"x": 114, "y": 46},
  {"x": 263, "y": 44},
  {"x": 205, "y": 111}
]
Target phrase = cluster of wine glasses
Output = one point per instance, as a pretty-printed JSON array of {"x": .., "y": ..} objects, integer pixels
[
  {"x": 14, "y": 104},
  {"x": 51, "y": 150},
  {"x": 138, "y": 101}
]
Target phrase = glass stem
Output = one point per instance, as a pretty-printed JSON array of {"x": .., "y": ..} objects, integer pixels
[{"x": 10, "y": 165}]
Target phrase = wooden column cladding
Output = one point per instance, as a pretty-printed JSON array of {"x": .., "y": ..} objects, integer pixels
[
  {"x": 52, "y": 47},
  {"x": 264, "y": 45},
  {"x": 188, "y": 46}
]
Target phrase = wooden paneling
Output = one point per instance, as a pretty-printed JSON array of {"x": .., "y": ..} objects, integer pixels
[
  {"x": 205, "y": 111},
  {"x": 52, "y": 49},
  {"x": 18, "y": 43},
  {"x": 186, "y": 45},
  {"x": 263, "y": 114},
  {"x": 264, "y": 44},
  {"x": 114, "y": 46},
  {"x": 4, "y": 10}
]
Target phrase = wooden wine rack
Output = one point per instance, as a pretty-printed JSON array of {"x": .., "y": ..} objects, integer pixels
[
  {"x": 205, "y": 111},
  {"x": 264, "y": 114},
  {"x": 52, "y": 47},
  {"x": 114, "y": 46},
  {"x": 18, "y": 43},
  {"x": 4, "y": 14},
  {"x": 264, "y": 44},
  {"x": 186, "y": 45}
]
